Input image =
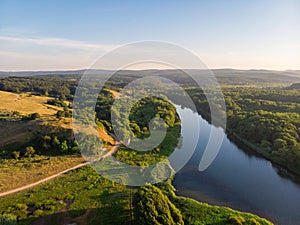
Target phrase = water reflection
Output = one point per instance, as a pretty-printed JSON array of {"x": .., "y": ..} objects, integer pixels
[{"x": 239, "y": 179}]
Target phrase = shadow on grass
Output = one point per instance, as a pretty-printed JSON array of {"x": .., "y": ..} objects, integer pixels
[
  {"x": 98, "y": 216},
  {"x": 114, "y": 209}
]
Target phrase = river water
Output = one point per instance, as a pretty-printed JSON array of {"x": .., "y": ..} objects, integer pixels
[{"x": 236, "y": 178}]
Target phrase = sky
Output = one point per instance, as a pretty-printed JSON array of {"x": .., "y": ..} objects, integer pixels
[{"x": 70, "y": 34}]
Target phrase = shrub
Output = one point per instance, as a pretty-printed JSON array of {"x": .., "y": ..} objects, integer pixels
[
  {"x": 236, "y": 220},
  {"x": 29, "y": 151},
  {"x": 15, "y": 154},
  {"x": 34, "y": 116},
  {"x": 252, "y": 221},
  {"x": 8, "y": 219},
  {"x": 38, "y": 213}
]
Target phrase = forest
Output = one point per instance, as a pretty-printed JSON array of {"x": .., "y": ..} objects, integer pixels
[{"x": 266, "y": 119}]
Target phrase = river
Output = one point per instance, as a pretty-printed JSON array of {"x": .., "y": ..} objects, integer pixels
[{"x": 236, "y": 178}]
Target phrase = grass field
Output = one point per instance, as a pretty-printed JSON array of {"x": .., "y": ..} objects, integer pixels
[
  {"x": 80, "y": 196},
  {"x": 17, "y": 173},
  {"x": 86, "y": 198},
  {"x": 26, "y": 103}
]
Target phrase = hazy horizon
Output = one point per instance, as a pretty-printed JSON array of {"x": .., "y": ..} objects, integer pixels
[{"x": 82, "y": 69}]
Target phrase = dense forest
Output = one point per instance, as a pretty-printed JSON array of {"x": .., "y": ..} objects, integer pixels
[
  {"x": 266, "y": 119},
  {"x": 49, "y": 86}
]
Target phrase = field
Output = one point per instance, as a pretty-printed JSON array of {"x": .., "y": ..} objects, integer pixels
[
  {"x": 26, "y": 103},
  {"x": 71, "y": 198},
  {"x": 16, "y": 173},
  {"x": 13, "y": 134},
  {"x": 86, "y": 198}
]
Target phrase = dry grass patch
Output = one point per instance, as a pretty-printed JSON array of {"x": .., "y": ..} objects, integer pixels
[
  {"x": 26, "y": 103},
  {"x": 114, "y": 93},
  {"x": 17, "y": 173}
]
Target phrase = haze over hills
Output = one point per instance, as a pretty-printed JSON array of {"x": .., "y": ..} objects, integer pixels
[{"x": 232, "y": 76}]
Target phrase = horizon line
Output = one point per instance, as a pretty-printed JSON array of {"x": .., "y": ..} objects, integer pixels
[{"x": 85, "y": 69}]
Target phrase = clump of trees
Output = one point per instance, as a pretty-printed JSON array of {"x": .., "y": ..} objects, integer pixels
[
  {"x": 28, "y": 152},
  {"x": 64, "y": 113},
  {"x": 31, "y": 116},
  {"x": 152, "y": 206},
  {"x": 17, "y": 116},
  {"x": 151, "y": 107},
  {"x": 56, "y": 102},
  {"x": 239, "y": 220},
  {"x": 49, "y": 144},
  {"x": 58, "y": 144}
]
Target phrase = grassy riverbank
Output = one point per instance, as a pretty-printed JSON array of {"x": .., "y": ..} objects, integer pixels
[{"x": 85, "y": 194}]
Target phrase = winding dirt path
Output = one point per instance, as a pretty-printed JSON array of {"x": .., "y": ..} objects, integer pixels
[
  {"x": 43, "y": 180},
  {"x": 111, "y": 152}
]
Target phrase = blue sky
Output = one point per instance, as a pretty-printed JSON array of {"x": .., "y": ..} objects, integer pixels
[{"x": 49, "y": 35}]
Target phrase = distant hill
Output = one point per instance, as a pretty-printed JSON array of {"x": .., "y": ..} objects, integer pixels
[
  {"x": 256, "y": 76},
  {"x": 225, "y": 76},
  {"x": 295, "y": 86}
]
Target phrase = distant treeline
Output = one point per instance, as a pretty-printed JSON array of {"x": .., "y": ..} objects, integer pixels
[{"x": 55, "y": 87}]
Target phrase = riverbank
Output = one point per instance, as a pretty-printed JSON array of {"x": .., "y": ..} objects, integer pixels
[
  {"x": 252, "y": 147},
  {"x": 238, "y": 178},
  {"x": 293, "y": 173}
]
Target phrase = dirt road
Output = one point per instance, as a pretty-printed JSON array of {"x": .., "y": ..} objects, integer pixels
[{"x": 112, "y": 151}]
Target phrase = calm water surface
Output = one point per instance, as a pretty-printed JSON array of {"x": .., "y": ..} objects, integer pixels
[{"x": 236, "y": 178}]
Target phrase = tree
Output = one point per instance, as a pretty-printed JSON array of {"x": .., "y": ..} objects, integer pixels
[
  {"x": 15, "y": 154},
  {"x": 8, "y": 219},
  {"x": 151, "y": 206},
  {"x": 279, "y": 144},
  {"x": 29, "y": 151},
  {"x": 64, "y": 146},
  {"x": 59, "y": 114},
  {"x": 34, "y": 116},
  {"x": 55, "y": 141},
  {"x": 236, "y": 220}
]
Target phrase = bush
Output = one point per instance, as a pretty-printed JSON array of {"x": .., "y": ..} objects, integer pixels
[
  {"x": 8, "y": 219},
  {"x": 39, "y": 213},
  {"x": 252, "y": 221},
  {"x": 29, "y": 151},
  {"x": 34, "y": 116},
  {"x": 15, "y": 154},
  {"x": 56, "y": 102},
  {"x": 236, "y": 220},
  {"x": 64, "y": 146}
]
